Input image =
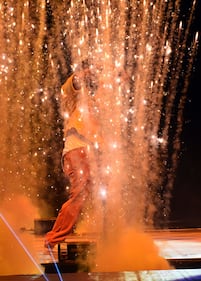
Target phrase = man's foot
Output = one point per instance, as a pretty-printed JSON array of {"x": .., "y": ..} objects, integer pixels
[{"x": 49, "y": 245}]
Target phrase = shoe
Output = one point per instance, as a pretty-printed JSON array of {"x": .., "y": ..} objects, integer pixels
[{"x": 48, "y": 245}]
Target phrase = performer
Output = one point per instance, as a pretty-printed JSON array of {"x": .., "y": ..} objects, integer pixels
[{"x": 81, "y": 134}]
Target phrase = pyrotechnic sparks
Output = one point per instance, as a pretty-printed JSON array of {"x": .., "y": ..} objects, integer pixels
[{"x": 137, "y": 51}]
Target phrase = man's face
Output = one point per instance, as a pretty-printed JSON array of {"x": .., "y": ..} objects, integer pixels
[{"x": 91, "y": 78}]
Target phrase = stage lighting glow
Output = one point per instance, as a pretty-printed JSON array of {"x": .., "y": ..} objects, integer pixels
[
  {"x": 140, "y": 48},
  {"x": 23, "y": 246}
]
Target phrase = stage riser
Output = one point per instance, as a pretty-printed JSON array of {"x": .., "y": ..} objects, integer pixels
[
  {"x": 73, "y": 266},
  {"x": 42, "y": 226},
  {"x": 72, "y": 258},
  {"x": 185, "y": 263}
]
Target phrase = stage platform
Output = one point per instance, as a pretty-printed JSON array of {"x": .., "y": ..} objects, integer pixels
[
  {"x": 157, "y": 275},
  {"x": 181, "y": 247}
]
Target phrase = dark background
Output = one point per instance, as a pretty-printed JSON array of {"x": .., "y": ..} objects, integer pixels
[
  {"x": 186, "y": 195},
  {"x": 185, "y": 209}
]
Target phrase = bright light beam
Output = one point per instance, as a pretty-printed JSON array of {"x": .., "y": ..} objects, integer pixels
[
  {"x": 23, "y": 246},
  {"x": 55, "y": 264}
]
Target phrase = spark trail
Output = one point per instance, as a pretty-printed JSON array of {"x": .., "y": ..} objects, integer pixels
[{"x": 145, "y": 50}]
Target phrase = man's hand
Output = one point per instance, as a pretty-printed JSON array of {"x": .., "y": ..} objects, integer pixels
[{"x": 76, "y": 82}]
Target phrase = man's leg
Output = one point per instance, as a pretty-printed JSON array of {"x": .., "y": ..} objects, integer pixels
[{"x": 76, "y": 167}]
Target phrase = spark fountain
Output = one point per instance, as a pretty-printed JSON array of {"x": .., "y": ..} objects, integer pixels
[{"x": 141, "y": 53}]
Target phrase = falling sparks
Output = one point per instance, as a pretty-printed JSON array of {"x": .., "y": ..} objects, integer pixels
[{"x": 137, "y": 49}]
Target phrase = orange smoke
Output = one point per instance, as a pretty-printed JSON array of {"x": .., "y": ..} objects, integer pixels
[
  {"x": 128, "y": 251},
  {"x": 17, "y": 214}
]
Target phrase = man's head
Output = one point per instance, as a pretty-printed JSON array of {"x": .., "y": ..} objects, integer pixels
[{"x": 89, "y": 72}]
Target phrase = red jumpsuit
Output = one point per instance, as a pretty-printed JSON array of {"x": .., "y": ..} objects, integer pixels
[{"x": 80, "y": 132}]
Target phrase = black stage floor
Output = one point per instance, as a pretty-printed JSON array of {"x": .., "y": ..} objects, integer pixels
[{"x": 158, "y": 275}]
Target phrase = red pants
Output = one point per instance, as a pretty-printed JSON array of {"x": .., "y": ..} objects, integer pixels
[{"x": 76, "y": 168}]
